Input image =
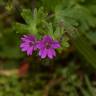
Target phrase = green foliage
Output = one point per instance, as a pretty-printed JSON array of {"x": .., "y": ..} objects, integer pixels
[
  {"x": 92, "y": 37},
  {"x": 85, "y": 48},
  {"x": 73, "y": 24}
]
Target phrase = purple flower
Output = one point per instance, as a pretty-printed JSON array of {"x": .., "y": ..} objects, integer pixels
[
  {"x": 28, "y": 44},
  {"x": 47, "y": 47}
]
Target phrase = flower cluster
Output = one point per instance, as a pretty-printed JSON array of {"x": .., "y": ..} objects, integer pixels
[{"x": 46, "y": 45}]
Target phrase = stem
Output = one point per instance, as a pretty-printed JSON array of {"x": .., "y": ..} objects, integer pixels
[{"x": 33, "y": 3}]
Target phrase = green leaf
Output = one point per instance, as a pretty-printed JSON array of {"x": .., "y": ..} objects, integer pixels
[
  {"x": 84, "y": 92},
  {"x": 20, "y": 28},
  {"x": 84, "y": 47},
  {"x": 27, "y": 15},
  {"x": 92, "y": 37},
  {"x": 89, "y": 86}
]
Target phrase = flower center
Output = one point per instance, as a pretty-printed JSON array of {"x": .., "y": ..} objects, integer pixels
[
  {"x": 32, "y": 43},
  {"x": 48, "y": 45}
]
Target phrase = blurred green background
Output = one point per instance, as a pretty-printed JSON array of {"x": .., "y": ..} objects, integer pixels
[{"x": 71, "y": 73}]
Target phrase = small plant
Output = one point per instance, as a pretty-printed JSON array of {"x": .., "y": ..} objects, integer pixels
[{"x": 46, "y": 47}]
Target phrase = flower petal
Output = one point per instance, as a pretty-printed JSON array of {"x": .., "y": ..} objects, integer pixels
[
  {"x": 55, "y": 45},
  {"x": 40, "y": 45},
  {"x": 30, "y": 51},
  {"x": 47, "y": 38},
  {"x": 50, "y": 53},
  {"x": 53, "y": 51},
  {"x": 28, "y": 38},
  {"x": 43, "y": 53},
  {"x": 24, "y": 45},
  {"x": 24, "y": 49}
]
